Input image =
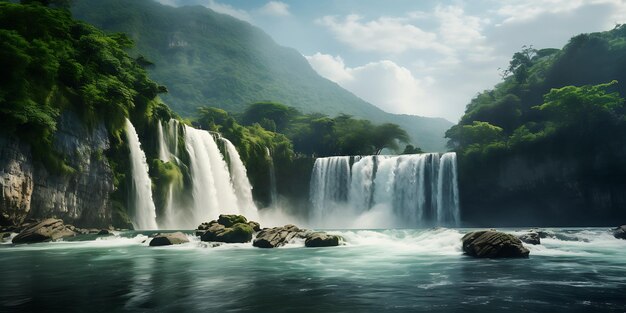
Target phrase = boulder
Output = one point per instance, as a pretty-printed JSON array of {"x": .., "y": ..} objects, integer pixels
[
  {"x": 237, "y": 233},
  {"x": 620, "y": 232},
  {"x": 5, "y": 236},
  {"x": 278, "y": 236},
  {"x": 104, "y": 232},
  {"x": 256, "y": 226},
  {"x": 46, "y": 230},
  {"x": 230, "y": 220},
  {"x": 319, "y": 239},
  {"x": 530, "y": 238},
  {"x": 167, "y": 239},
  {"x": 542, "y": 233},
  {"x": 493, "y": 244}
]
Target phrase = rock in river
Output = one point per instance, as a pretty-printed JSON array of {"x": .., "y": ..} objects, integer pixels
[
  {"x": 321, "y": 240},
  {"x": 278, "y": 236},
  {"x": 493, "y": 244},
  {"x": 530, "y": 238},
  {"x": 227, "y": 228},
  {"x": 167, "y": 239},
  {"x": 46, "y": 230},
  {"x": 620, "y": 232}
]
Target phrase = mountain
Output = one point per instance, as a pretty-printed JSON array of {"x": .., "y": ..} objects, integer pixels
[{"x": 206, "y": 58}]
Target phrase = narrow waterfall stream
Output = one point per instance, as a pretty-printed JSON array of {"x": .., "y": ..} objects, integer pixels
[
  {"x": 168, "y": 152},
  {"x": 385, "y": 191},
  {"x": 273, "y": 191},
  {"x": 141, "y": 203},
  {"x": 241, "y": 184}
]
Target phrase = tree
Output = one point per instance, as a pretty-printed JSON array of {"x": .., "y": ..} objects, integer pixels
[
  {"x": 387, "y": 136},
  {"x": 410, "y": 149},
  {"x": 520, "y": 63},
  {"x": 262, "y": 112},
  {"x": 583, "y": 108}
]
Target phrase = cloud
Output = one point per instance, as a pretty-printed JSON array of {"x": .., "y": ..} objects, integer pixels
[
  {"x": 385, "y": 34},
  {"x": 518, "y": 11},
  {"x": 454, "y": 35},
  {"x": 384, "y": 83},
  {"x": 213, "y": 5},
  {"x": 275, "y": 8}
]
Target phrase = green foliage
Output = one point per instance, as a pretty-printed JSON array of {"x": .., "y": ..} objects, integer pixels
[
  {"x": 561, "y": 102},
  {"x": 272, "y": 116},
  {"x": 318, "y": 134},
  {"x": 57, "y": 63},
  {"x": 410, "y": 149}
]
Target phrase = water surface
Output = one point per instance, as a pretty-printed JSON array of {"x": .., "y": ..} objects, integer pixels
[{"x": 582, "y": 270}]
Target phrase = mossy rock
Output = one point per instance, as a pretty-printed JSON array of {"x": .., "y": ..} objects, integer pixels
[
  {"x": 229, "y": 220},
  {"x": 238, "y": 233}
]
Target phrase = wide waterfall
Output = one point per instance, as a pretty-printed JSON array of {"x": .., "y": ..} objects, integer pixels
[
  {"x": 385, "y": 191},
  {"x": 144, "y": 212}
]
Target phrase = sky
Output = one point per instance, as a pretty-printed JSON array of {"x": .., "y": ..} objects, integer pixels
[{"x": 419, "y": 57}]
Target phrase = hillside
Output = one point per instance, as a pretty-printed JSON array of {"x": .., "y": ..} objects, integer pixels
[
  {"x": 206, "y": 58},
  {"x": 546, "y": 145}
]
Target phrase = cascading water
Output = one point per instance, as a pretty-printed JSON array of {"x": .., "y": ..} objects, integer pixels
[
  {"x": 376, "y": 191},
  {"x": 168, "y": 152},
  {"x": 330, "y": 180},
  {"x": 144, "y": 216},
  {"x": 212, "y": 190},
  {"x": 273, "y": 192},
  {"x": 241, "y": 184}
]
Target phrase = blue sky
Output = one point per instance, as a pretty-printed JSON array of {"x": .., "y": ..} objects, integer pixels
[{"x": 425, "y": 58}]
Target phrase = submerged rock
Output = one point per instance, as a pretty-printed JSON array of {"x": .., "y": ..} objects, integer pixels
[
  {"x": 543, "y": 233},
  {"x": 104, "y": 232},
  {"x": 167, "y": 239},
  {"x": 278, "y": 236},
  {"x": 530, "y": 238},
  {"x": 493, "y": 244},
  {"x": 319, "y": 239},
  {"x": 46, "y": 230},
  {"x": 620, "y": 232}
]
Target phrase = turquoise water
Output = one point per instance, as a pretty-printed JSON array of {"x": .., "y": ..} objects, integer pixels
[{"x": 584, "y": 270}]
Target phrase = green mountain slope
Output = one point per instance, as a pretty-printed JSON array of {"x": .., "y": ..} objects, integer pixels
[{"x": 206, "y": 58}]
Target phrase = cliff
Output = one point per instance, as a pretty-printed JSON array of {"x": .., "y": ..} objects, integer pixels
[
  {"x": 542, "y": 190},
  {"x": 80, "y": 198}
]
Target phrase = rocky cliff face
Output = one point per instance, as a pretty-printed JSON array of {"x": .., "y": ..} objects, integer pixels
[
  {"x": 542, "y": 190},
  {"x": 80, "y": 198}
]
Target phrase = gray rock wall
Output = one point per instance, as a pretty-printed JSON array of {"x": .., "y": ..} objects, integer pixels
[{"x": 81, "y": 198}]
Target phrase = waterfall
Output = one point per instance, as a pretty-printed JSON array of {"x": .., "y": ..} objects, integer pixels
[
  {"x": 329, "y": 186},
  {"x": 212, "y": 190},
  {"x": 144, "y": 216},
  {"x": 241, "y": 184},
  {"x": 448, "y": 196},
  {"x": 167, "y": 136},
  {"x": 407, "y": 191},
  {"x": 273, "y": 192}
]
